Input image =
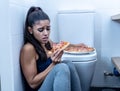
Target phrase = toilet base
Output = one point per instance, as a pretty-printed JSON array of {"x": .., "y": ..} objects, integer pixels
[{"x": 85, "y": 72}]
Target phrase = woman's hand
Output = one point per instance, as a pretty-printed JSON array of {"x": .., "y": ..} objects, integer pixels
[{"x": 56, "y": 56}]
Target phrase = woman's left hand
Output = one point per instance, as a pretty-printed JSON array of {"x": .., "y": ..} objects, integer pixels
[{"x": 56, "y": 56}]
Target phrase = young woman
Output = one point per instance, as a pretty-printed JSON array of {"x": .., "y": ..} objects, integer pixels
[{"x": 41, "y": 71}]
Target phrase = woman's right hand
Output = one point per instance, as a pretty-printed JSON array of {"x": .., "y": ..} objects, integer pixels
[{"x": 56, "y": 56}]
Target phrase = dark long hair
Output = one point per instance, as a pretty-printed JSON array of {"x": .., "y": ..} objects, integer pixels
[{"x": 34, "y": 14}]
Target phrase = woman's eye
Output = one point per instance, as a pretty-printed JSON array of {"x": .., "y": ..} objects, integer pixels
[
  {"x": 41, "y": 29},
  {"x": 48, "y": 28}
]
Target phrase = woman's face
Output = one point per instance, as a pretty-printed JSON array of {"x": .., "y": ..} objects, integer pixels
[{"x": 41, "y": 30}]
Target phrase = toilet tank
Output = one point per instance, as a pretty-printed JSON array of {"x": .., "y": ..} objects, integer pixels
[{"x": 76, "y": 26}]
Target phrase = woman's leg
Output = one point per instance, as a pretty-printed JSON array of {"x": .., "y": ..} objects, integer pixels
[
  {"x": 75, "y": 80},
  {"x": 58, "y": 79}
]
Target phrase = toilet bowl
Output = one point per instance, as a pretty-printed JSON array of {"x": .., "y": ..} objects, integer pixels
[{"x": 85, "y": 64}]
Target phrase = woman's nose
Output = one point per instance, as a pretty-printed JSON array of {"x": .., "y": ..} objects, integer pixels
[{"x": 45, "y": 32}]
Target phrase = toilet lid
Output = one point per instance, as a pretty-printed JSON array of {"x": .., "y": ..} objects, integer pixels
[{"x": 80, "y": 57}]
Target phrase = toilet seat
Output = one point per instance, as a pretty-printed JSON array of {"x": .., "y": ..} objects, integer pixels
[{"x": 80, "y": 58}]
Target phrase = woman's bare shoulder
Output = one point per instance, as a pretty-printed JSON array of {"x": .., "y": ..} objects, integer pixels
[
  {"x": 28, "y": 51},
  {"x": 28, "y": 48}
]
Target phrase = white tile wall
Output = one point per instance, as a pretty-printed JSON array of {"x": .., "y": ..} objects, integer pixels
[
  {"x": 11, "y": 37},
  {"x": 5, "y": 63},
  {"x": 17, "y": 15},
  {"x": 25, "y": 3},
  {"x": 16, "y": 42}
]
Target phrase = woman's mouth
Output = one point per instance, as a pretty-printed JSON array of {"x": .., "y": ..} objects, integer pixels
[{"x": 45, "y": 38}]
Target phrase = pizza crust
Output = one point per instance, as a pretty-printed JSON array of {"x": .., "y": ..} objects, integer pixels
[
  {"x": 61, "y": 45},
  {"x": 65, "y": 45}
]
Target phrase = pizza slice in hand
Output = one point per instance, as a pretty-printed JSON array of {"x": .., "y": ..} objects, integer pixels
[{"x": 61, "y": 45}]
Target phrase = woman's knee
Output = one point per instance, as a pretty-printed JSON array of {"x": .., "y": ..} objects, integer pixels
[
  {"x": 70, "y": 64},
  {"x": 62, "y": 67}
]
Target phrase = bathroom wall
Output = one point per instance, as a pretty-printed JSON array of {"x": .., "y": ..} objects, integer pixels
[
  {"x": 12, "y": 18},
  {"x": 4, "y": 42},
  {"x": 106, "y": 31}
]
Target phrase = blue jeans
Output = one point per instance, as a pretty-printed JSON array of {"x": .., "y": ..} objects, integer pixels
[{"x": 63, "y": 77}]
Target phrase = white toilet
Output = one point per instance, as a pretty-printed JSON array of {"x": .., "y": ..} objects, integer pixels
[{"x": 78, "y": 27}]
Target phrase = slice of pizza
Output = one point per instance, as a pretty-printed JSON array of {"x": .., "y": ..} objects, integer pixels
[{"x": 61, "y": 45}]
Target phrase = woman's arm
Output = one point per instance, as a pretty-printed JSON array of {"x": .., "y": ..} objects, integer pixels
[{"x": 28, "y": 64}]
